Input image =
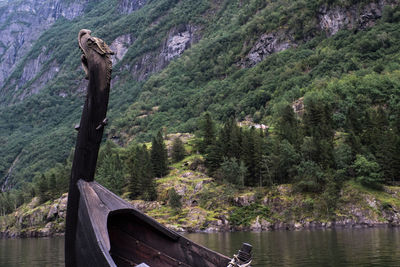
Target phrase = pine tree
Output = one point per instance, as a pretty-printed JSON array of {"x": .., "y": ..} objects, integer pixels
[
  {"x": 248, "y": 157},
  {"x": 42, "y": 188},
  {"x": 213, "y": 157},
  {"x": 53, "y": 185},
  {"x": 159, "y": 157},
  {"x": 207, "y": 128},
  {"x": 147, "y": 177},
  {"x": 110, "y": 172},
  {"x": 134, "y": 173},
  {"x": 287, "y": 124},
  {"x": 174, "y": 200},
  {"x": 318, "y": 126},
  {"x": 178, "y": 150}
]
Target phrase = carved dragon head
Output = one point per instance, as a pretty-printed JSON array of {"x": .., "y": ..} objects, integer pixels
[{"x": 93, "y": 47}]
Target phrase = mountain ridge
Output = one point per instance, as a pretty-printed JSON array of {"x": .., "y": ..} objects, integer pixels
[{"x": 203, "y": 56}]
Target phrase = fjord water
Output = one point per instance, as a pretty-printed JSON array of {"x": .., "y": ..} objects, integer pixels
[
  {"x": 340, "y": 247},
  {"x": 337, "y": 247},
  {"x": 44, "y": 252}
]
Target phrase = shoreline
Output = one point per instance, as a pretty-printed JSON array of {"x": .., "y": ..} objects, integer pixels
[{"x": 283, "y": 227}]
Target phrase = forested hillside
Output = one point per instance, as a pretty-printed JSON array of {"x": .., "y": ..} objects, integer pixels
[{"x": 321, "y": 76}]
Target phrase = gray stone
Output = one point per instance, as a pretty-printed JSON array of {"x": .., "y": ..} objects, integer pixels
[
  {"x": 53, "y": 212},
  {"x": 177, "y": 41},
  {"x": 120, "y": 46},
  {"x": 266, "y": 45},
  {"x": 18, "y": 33},
  {"x": 129, "y": 6},
  {"x": 360, "y": 16},
  {"x": 244, "y": 200}
]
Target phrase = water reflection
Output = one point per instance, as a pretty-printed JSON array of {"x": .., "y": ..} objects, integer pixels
[
  {"x": 348, "y": 247},
  {"x": 46, "y": 252},
  {"x": 340, "y": 247}
]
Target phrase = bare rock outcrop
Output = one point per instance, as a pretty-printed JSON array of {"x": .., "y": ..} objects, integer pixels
[
  {"x": 330, "y": 19},
  {"x": 358, "y": 16},
  {"x": 18, "y": 34},
  {"x": 177, "y": 41},
  {"x": 34, "y": 220},
  {"x": 266, "y": 45},
  {"x": 120, "y": 46},
  {"x": 129, "y": 6}
]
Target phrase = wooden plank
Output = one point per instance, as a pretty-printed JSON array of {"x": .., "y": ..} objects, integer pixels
[
  {"x": 118, "y": 205},
  {"x": 87, "y": 251},
  {"x": 130, "y": 250},
  {"x": 182, "y": 249},
  {"x": 112, "y": 201}
]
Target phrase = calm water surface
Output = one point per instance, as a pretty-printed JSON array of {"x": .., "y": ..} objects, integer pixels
[
  {"x": 44, "y": 252},
  {"x": 340, "y": 247},
  {"x": 353, "y": 247}
]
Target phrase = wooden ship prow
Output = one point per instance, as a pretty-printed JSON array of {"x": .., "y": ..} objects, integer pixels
[{"x": 102, "y": 229}]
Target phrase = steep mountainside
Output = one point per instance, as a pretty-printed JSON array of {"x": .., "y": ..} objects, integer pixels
[{"x": 174, "y": 61}]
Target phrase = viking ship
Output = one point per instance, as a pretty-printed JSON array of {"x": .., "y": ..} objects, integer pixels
[{"x": 101, "y": 228}]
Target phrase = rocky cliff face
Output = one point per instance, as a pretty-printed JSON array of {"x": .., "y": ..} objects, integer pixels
[
  {"x": 21, "y": 23},
  {"x": 358, "y": 16},
  {"x": 330, "y": 19},
  {"x": 266, "y": 45},
  {"x": 34, "y": 220},
  {"x": 120, "y": 46},
  {"x": 129, "y": 6},
  {"x": 177, "y": 41}
]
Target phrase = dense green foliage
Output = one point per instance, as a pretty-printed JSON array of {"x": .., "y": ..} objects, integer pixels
[
  {"x": 349, "y": 84},
  {"x": 244, "y": 215},
  {"x": 140, "y": 174}
]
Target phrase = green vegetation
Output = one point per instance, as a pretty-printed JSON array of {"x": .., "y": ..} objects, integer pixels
[
  {"x": 159, "y": 156},
  {"x": 243, "y": 216},
  {"x": 174, "y": 200},
  {"x": 178, "y": 150},
  {"x": 347, "y": 130}
]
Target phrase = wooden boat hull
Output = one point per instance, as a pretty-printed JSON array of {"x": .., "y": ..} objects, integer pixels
[{"x": 111, "y": 232}]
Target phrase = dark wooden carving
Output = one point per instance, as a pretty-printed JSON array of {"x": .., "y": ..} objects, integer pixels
[{"x": 97, "y": 65}]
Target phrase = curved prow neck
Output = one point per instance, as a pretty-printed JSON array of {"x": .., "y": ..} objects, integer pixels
[{"x": 96, "y": 62}]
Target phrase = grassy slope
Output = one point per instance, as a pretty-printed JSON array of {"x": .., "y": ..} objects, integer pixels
[
  {"x": 220, "y": 206},
  {"x": 210, "y": 205}
]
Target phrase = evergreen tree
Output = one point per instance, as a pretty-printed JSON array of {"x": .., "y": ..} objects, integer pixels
[
  {"x": 368, "y": 172},
  {"x": 147, "y": 178},
  {"x": 19, "y": 198},
  {"x": 287, "y": 124},
  {"x": 207, "y": 129},
  {"x": 141, "y": 182},
  {"x": 265, "y": 177},
  {"x": 53, "y": 186},
  {"x": 110, "y": 172},
  {"x": 159, "y": 156},
  {"x": 248, "y": 156},
  {"x": 318, "y": 126},
  {"x": 230, "y": 139},
  {"x": 233, "y": 172},
  {"x": 174, "y": 200},
  {"x": 134, "y": 173},
  {"x": 310, "y": 177},
  {"x": 214, "y": 158},
  {"x": 42, "y": 188},
  {"x": 178, "y": 150}
]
